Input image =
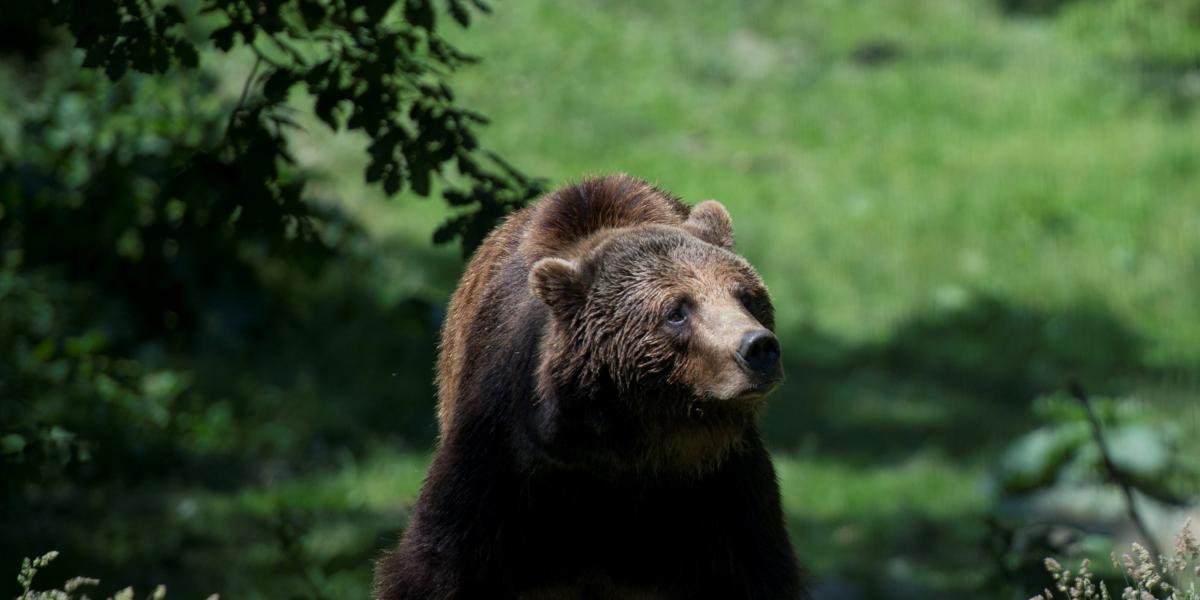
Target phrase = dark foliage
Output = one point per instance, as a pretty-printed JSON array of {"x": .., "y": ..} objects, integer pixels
[{"x": 155, "y": 233}]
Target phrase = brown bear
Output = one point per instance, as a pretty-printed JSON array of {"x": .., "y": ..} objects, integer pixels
[{"x": 602, "y": 364}]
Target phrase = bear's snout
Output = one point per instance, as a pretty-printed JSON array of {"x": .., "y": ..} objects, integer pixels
[{"x": 759, "y": 352}]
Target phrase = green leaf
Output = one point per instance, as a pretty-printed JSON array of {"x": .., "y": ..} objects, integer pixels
[
  {"x": 278, "y": 83},
  {"x": 457, "y": 198},
  {"x": 118, "y": 63},
  {"x": 223, "y": 38},
  {"x": 96, "y": 55},
  {"x": 1140, "y": 451},
  {"x": 58, "y": 436},
  {"x": 313, "y": 13},
  {"x": 169, "y": 15},
  {"x": 186, "y": 53},
  {"x": 324, "y": 108},
  {"x": 419, "y": 13},
  {"x": 318, "y": 74},
  {"x": 1035, "y": 459},
  {"x": 449, "y": 230},
  {"x": 460, "y": 14},
  {"x": 419, "y": 178},
  {"x": 12, "y": 443},
  {"x": 163, "y": 386},
  {"x": 44, "y": 351},
  {"x": 392, "y": 183},
  {"x": 375, "y": 170},
  {"x": 378, "y": 9}
]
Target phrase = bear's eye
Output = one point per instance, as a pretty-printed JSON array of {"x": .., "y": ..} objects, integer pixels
[
  {"x": 751, "y": 302},
  {"x": 678, "y": 315},
  {"x": 748, "y": 300}
]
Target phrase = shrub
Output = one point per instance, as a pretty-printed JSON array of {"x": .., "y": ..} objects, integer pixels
[
  {"x": 1147, "y": 578},
  {"x": 71, "y": 588}
]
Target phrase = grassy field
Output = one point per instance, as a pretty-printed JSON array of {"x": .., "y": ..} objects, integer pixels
[{"x": 956, "y": 209}]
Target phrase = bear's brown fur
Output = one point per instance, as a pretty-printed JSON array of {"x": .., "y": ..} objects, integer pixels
[{"x": 602, "y": 364}]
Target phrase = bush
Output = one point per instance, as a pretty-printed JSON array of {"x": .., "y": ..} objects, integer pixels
[
  {"x": 1151, "y": 578},
  {"x": 72, "y": 588}
]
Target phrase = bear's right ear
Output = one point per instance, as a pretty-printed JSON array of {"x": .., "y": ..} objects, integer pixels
[
  {"x": 710, "y": 222},
  {"x": 559, "y": 284}
]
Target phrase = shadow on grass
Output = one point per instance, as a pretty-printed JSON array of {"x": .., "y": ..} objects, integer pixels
[
  {"x": 877, "y": 558},
  {"x": 361, "y": 365},
  {"x": 959, "y": 381},
  {"x": 1041, "y": 8}
]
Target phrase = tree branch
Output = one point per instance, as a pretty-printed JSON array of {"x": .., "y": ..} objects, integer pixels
[
  {"x": 241, "y": 103},
  {"x": 1115, "y": 474}
]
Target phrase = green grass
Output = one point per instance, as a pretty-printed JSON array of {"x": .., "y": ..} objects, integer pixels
[{"x": 992, "y": 156}]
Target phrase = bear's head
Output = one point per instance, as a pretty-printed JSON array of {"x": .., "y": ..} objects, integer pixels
[{"x": 660, "y": 341}]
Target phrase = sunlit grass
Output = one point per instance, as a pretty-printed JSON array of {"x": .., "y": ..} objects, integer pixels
[
  {"x": 386, "y": 480},
  {"x": 992, "y": 154}
]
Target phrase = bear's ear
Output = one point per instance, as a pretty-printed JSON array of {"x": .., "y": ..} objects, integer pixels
[
  {"x": 559, "y": 284},
  {"x": 710, "y": 222}
]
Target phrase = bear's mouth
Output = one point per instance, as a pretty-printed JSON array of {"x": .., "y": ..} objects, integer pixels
[{"x": 758, "y": 392}]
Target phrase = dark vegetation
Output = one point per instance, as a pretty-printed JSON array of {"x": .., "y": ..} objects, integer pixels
[{"x": 176, "y": 307}]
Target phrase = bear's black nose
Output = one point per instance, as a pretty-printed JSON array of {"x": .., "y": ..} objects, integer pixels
[{"x": 760, "y": 352}]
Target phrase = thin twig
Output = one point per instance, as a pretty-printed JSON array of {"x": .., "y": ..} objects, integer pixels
[
  {"x": 1114, "y": 472},
  {"x": 245, "y": 92}
]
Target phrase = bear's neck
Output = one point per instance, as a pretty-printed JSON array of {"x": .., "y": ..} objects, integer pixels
[{"x": 586, "y": 424}]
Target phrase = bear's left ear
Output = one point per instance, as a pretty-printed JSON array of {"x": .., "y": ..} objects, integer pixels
[
  {"x": 710, "y": 222},
  {"x": 559, "y": 284}
]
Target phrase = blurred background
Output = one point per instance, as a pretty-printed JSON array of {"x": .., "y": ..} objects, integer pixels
[{"x": 229, "y": 230}]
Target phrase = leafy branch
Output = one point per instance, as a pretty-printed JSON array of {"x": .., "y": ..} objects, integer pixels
[
  {"x": 1115, "y": 474},
  {"x": 375, "y": 66}
]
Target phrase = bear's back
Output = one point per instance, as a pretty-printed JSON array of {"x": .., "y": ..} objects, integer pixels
[{"x": 555, "y": 225}]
